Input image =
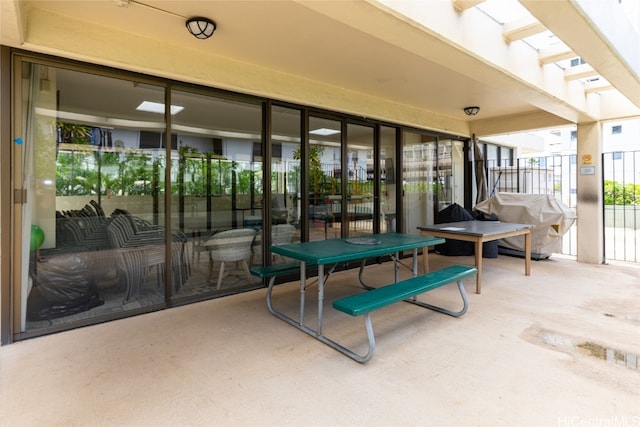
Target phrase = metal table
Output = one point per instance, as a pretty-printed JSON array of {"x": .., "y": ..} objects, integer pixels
[
  {"x": 480, "y": 232},
  {"x": 331, "y": 252}
]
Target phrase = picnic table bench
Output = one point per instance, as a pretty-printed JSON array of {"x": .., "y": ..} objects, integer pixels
[{"x": 364, "y": 303}]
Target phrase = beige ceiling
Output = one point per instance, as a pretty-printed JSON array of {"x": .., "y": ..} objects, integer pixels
[{"x": 359, "y": 57}]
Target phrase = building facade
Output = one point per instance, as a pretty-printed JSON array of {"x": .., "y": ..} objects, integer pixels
[{"x": 131, "y": 158}]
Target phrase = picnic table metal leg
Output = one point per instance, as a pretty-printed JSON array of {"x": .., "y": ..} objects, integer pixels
[
  {"x": 465, "y": 303},
  {"x": 297, "y": 323},
  {"x": 396, "y": 257},
  {"x": 349, "y": 353},
  {"x": 317, "y": 334},
  {"x": 269, "y": 290},
  {"x": 364, "y": 285},
  {"x": 395, "y": 267},
  {"x": 293, "y": 322},
  {"x": 321, "y": 283},
  {"x": 353, "y": 355},
  {"x": 303, "y": 288}
]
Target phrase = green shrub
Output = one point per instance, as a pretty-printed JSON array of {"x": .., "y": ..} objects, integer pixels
[{"x": 617, "y": 193}]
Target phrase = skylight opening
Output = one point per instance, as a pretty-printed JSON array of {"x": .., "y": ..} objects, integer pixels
[{"x": 503, "y": 11}]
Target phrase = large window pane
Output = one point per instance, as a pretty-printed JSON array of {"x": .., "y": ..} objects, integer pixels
[
  {"x": 388, "y": 185},
  {"x": 325, "y": 178},
  {"x": 450, "y": 172},
  {"x": 421, "y": 186},
  {"x": 359, "y": 218},
  {"x": 286, "y": 173},
  {"x": 216, "y": 183},
  {"x": 94, "y": 172}
]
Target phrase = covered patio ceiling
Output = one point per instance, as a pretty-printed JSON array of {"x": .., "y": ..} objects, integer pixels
[{"x": 361, "y": 57}]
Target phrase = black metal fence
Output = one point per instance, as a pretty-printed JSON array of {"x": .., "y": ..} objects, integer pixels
[
  {"x": 621, "y": 173},
  {"x": 557, "y": 175}
]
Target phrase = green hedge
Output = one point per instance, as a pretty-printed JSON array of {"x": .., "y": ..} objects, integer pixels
[{"x": 617, "y": 193}]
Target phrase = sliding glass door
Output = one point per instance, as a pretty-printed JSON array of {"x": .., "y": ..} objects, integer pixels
[
  {"x": 92, "y": 167},
  {"x": 96, "y": 166},
  {"x": 216, "y": 191},
  {"x": 286, "y": 180},
  {"x": 433, "y": 177},
  {"x": 388, "y": 173},
  {"x": 450, "y": 173},
  {"x": 419, "y": 184},
  {"x": 324, "y": 163},
  {"x": 360, "y": 213},
  {"x": 342, "y": 180}
]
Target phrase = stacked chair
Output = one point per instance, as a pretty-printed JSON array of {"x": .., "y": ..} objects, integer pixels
[
  {"x": 81, "y": 230},
  {"x": 123, "y": 241},
  {"x": 140, "y": 246}
]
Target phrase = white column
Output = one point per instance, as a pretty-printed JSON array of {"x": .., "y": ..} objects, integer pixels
[{"x": 590, "y": 228}]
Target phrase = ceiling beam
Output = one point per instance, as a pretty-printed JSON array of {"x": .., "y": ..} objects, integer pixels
[
  {"x": 555, "y": 53},
  {"x": 13, "y": 23},
  {"x": 516, "y": 123},
  {"x": 462, "y": 5},
  {"x": 601, "y": 33},
  {"x": 522, "y": 28},
  {"x": 596, "y": 86},
  {"x": 579, "y": 72}
]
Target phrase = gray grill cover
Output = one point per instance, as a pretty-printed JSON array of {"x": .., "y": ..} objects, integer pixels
[{"x": 550, "y": 217}]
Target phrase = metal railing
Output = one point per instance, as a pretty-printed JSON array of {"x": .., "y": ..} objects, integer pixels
[
  {"x": 621, "y": 173},
  {"x": 557, "y": 175}
]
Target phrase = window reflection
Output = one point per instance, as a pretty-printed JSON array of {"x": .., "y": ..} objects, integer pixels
[
  {"x": 388, "y": 179},
  {"x": 127, "y": 213},
  {"x": 359, "y": 218},
  {"x": 216, "y": 185},
  {"x": 286, "y": 174},
  {"x": 94, "y": 174},
  {"x": 421, "y": 186},
  {"x": 324, "y": 161}
]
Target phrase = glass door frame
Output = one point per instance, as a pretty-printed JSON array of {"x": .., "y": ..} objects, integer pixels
[
  {"x": 344, "y": 124},
  {"x": 438, "y": 137}
]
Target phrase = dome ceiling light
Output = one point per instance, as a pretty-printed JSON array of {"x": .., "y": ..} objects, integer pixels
[
  {"x": 201, "y": 28},
  {"x": 471, "y": 111}
]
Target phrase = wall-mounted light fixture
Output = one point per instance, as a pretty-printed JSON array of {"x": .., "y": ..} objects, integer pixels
[
  {"x": 201, "y": 28},
  {"x": 471, "y": 111}
]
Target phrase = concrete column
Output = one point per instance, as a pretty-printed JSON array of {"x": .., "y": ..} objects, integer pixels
[{"x": 590, "y": 228}]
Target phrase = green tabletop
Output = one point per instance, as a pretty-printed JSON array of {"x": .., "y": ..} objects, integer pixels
[{"x": 333, "y": 251}]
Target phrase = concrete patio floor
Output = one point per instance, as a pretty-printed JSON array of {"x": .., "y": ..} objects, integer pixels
[{"x": 530, "y": 351}]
